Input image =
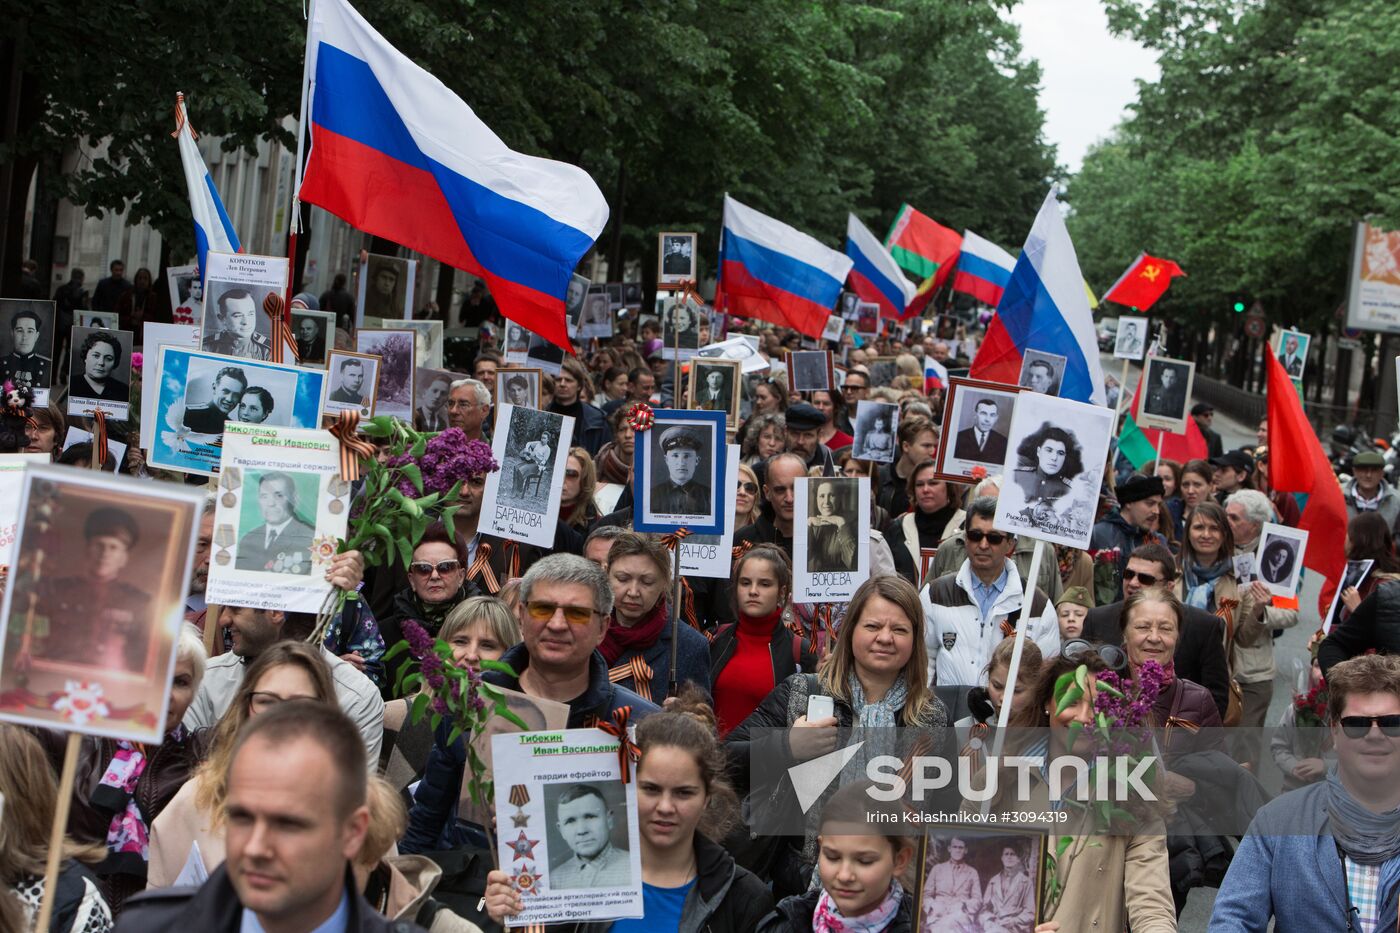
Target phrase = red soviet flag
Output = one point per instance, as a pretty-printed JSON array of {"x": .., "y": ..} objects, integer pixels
[{"x": 1144, "y": 282}]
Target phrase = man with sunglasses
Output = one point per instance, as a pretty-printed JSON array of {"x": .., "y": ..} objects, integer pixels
[
  {"x": 1139, "y": 498},
  {"x": 1327, "y": 856},
  {"x": 965, "y": 610}
]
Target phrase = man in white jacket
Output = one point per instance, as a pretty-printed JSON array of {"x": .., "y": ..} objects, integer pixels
[{"x": 965, "y": 610}]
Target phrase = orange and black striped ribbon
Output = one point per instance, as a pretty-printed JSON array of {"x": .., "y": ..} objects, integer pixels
[
  {"x": 519, "y": 795},
  {"x": 481, "y": 567},
  {"x": 282, "y": 339},
  {"x": 512, "y": 560},
  {"x": 627, "y": 750},
  {"x": 742, "y": 548},
  {"x": 352, "y": 446},
  {"x": 99, "y": 437},
  {"x": 672, "y": 540},
  {"x": 640, "y": 672}
]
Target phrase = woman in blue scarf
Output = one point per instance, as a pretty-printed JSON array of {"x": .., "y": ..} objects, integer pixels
[{"x": 1207, "y": 559}]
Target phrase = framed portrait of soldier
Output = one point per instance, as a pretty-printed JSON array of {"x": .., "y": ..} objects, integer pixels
[
  {"x": 574, "y": 297},
  {"x": 99, "y": 372},
  {"x": 521, "y": 499},
  {"x": 431, "y": 388},
  {"x": 614, "y": 292},
  {"x": 385, "y": 288},
  {"x": 518, "y": 386},
  {"x": 517, "y": 340},
  {"x": 27, "y": 345},
  {"x": 714, "y": 386},
  {"x": 1278, "y": 561},
  {"x": 680, "y": 470},
  {"x": 352, "y": 383},
  {"x": 676, "y": 258},
  {"x": 397, "y": 352},
  {"x": 281, "y": 509},
  {"x": 199, "y": 393},
  {"x": 867, "y": 319},
  {"x": 1166, "y": 394},
  {"x": 1292, "y": 352},
  {"x": 597, "y": 319},
  {"x": 1131, "y": 340},
  {"x": 1055, "y": 455},
  {"x": 314, "y": 333},
  {"x": 810, "y": 371},
  {"x": 1352, "y": 578},
  {"x": 835, "y": 325},
  {"x": 946, "y": 327},
  {"x": 977, "y": 420},
  {"x": 1041, "y": 372},
  {"x": 680, "y": 327},
  {"x": 186, "y": 294},
  {"x": 632, "y": 296},
  {"x": 96, "y": 598},
  {"x": 877, "y": 427},
  {"x": 545, "y": 356},
  {"x": 235, "y": 287},
  {"x": 830, "y": 537},
  {"x": 712, "y": 555},
  {"x": 974, "y": 877}
]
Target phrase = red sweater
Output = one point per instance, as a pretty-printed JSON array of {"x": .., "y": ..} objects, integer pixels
[{"x": 748, "y": 675}]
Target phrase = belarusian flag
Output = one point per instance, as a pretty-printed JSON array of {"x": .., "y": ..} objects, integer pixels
[
  {"x": 923, "y": 246},
  {"x": 1144, "y": 282}
]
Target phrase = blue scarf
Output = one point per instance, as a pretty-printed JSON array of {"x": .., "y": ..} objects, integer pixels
[{"x": 1199, "y": 582}]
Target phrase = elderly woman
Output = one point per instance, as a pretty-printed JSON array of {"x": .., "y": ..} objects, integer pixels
[
  {"x": 437, "y": 581},
  {"x": 877, "y": 677},
  {"x": 637, "y": 644},
  {"x": 1151, "y": 624},
  {"x": 101, "y": 355},
  {"x": 765, "y": 437},
  {"x": 576, "y": 506},
  {"x": 934, "y": 516}
]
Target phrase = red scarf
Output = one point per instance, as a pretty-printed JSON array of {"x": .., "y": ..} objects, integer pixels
[{"x": 622, "y": 640}]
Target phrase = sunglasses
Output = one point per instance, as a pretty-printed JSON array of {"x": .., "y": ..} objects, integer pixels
[
  {"x": 423, "y": 568},
  {"x": 1078, "y": 649},
  {"x": 994, "y": 538},
  {"x": 542, "y": 611},
  {"x": 1146, "y": 579},
  {"x": 1358, "y": 727},
  {"x": 750, "y": 488}
]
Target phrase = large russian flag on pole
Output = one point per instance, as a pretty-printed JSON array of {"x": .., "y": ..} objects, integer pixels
[
  {"x": 777, "y": 273},
  {"x": 212, "y": 228},
  {"x": 397, "y": 154},
  {"x": 875, "y": 276},
  {"x": 1045, "y": 308},
  {"x": 983, "y": 269}
]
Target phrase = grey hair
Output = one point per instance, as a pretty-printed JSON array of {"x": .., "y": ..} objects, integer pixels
[
  {"x": 211, "y": 502},
  {"x": 569, "y": 568},
  {"x": 1257, "y": 507},
  {"x": 990, "y": 482},
  {"x": 483, "y": 394},
  {"x": 286, "y": 479},
  {"x": 189, "y": 645},
  {"x": 605, "y": 533},
  {"x": 918, "y": 408},
  {"x": 981, "y": 507}
]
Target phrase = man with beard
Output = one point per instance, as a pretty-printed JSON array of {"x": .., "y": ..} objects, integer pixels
[
  {"x": 227, "y": 389},
  {"x": 25, "y": 367}
]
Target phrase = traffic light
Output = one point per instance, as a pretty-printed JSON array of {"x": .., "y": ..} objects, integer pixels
[{"x": 1239, "y": 306}]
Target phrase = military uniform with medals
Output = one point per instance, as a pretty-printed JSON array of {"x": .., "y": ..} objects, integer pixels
[
  {"x": 226, "y": 342},
  {"x": 29, "y": 370}
]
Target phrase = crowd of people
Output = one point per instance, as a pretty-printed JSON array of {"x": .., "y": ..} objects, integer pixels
[{"x": 295, "y": 790}]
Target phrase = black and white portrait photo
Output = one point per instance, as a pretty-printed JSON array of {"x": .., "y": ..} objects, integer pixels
[
  {"x": 614, "y": 290},
  {"x": 809, "y": 371},
  {"x": 977, "y": 416},
  {"x": 680, "y": 472},
  {"x": 100, "y": 372},
  {"x": 877, "y": 426},
  {"x": 431, "y": 388},
  {"x": 587, "y": 835},
  {"x": 971, "y": 878},
  {"x": 1278, "y": 561},
  {"x": 1056, "y": 451},
  {"x": 27, "y": 345},
  {"x": 632, "y": 295},
  {"x": 867, "y": 318},
  {"x": 832, "y": 517},
  {"x": 883, "y": 369},
  {"x": 680, "y": 327},
  {"x": 237, "y": 393},
  {"x": 314, "y": 332},
  {"x": 714, "y": 386},
  {"x": 1293, "y": 352},
  {"x": 521, "y": 499},
  {"x": 185, "y": 293},
  {"x": 677, "y": 258},
  {"x": 106, "y": 320},
  {"x": 597, "y": 317},
  {"x": 544, "y": 356},
  {"x": 1041, "y": 372},
  {"x": 385, "y": 287},
  {"x": 1167, "y": 393},
  {"x": 279, "y": 540},
  {"x": 835, "y": 324},
  {"x": 519, "y": 387},
  {"x": 1131, "y": 339},
  {"x": 397, "y": 352},
  {"x": 847, "y": 304},
  {"x": 680, "y": 488},
  {"x": 351, "y": 383},
  {"x": 235, "y": 323}
]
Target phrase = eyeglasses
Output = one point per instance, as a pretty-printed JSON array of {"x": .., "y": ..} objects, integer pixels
[
  {"x": 994, "y": 538},
  {"x": 1358, "y": 727},
  {"x": 850, "y": 388},
  {"x": 1077, "y": 649},
  {"x": 1146, "y": 579},
  {"x": 542, "y": 611},
  {"x": 422, "y": 568},
  {"x": 455, "y": 404},
  {"x": 750, "y": 488}
]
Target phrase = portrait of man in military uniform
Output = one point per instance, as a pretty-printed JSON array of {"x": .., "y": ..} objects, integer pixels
[
  {"x": 681, "y": 489},
  {"x": 1167, "y": 393},
  {"x": 26, "y": 358},
  {"x": 584, "y": 820},
  {"x": 350, "y": 383},
  {"x": 282, "y": 543},
  {"x": 225, "y": 392},
  {"x": 231, "y": 322}
]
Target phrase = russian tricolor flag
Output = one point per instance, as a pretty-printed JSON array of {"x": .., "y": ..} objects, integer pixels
[
  {"x": 212, "y": 228},
  {"x": 875, "y": 276},
  {"x": 776, "y": 273},
  {"x": 1045, "y": 308},
  {"x": 395, "y": 153},
  {"x": 983, "y": 269},
  {"x": 935, "y": 375}
]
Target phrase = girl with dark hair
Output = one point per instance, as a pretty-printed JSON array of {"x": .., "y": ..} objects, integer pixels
[
  {"x": 833, "y": 409},
  {"x": 1368, "y": 538},
  {"x": 1050, "y": 459},
  {"x": 46, "y": 430},
  {"x": 933, "y": 517},
  {"x": 1197, "y": 484},
  {"x": 255, "y": 405},
  {"x": 1207, "y": 559}
]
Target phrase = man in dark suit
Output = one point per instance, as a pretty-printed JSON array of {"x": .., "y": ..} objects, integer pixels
[
  {"x": 224, "y": 395},
  {"x": 1204, "y": 414},
  {"x": 1168, "y": 397},
  {"x": 1200, "y": 652},
  {"x": 282, "y": 543},
  {"x": 981, "y": 442},
  {"x": 679, "y": 493},
  {"x": 1291, "y": 359},
  {"x": 352, "y": 380}
]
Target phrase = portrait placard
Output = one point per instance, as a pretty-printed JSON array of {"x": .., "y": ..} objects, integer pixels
[
  {"x": 235, "y": 285},
  {"x": 186, "y": 290},
  {"x": 946, "y": 327},
  {"x": 1279, "y": 558},
  {"x": 596, "y": 319},
  {"x": 809, "y": 371},
  {"x": 198, "y": 392},
  {"x": 741, "y": 347},
  {"x": 11, "y": 478},
  {"x": 712, "y": 555},
  {"x": 680, "y": 327},
  {"x": 1353, "y": 577},
  {"x": 1373, "y": 291},
  {"x": 1292, "y": 352},
  {"x": 977, "y": 420},
  {"x": 521, "y": 499},
  {"x": 99, "y": 372},
  {"x": 544, "y": 356},
  {"x": 976, "y": 878},
  {"x": 157, "y": 336},
  {"x": 431, "y": 389},
  {"x": 1055, "y": 456},
  {"x": 675, "y": 258},
  {"x": 314, "y": 333},
  {"x": 883, "y": 369},
  {"x": 572, "y": 846},
  {"x": 116, "y": 450},
  {"x": 679, "y": 473},
  {"x": 95, "y": 602},
  {"x": 835, "y": 325},
  {"x": 847, "y": 304},
  {"x": 1166, "y": 398},
  {"x": 518, "y": 386},
  {"x": 830, "y": 537},
  {"x": 867, "y": 319},
  {"x": 105, "y": 320},
  {"x": 1244, "y": 569},
  {"x": 427, "y": 339},
  {"x": 877, "y": 427},
  {"x": 397, "y": 352},
  {"x": 518, "y": 340},
  {"x": 1131, "y": 340},
  {"x": 352, "y": 383},
  {"x": 715, "y": 386},
  {"x": 631, "y": 295},
  {"x": 1041, "y": 372},
  {"x": 27, "y": 345},
  {"x": 282, "y": 507},
  {"x": 385, "y": 288}
]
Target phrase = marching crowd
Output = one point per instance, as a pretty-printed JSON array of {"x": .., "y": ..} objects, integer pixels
[{"x": 295, "y": 791}]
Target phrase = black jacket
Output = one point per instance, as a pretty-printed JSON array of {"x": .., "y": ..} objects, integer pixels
[
  {"x": 214, "y": 908},
  {"x": 591, "y": 429},
  {"x": 1374, "y": 624},
  {"x": 1200, "y": 651},
  {"x": 794, "y": 915}
]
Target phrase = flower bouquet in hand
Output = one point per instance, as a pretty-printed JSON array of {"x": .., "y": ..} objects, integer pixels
[{"x": 1310, "y": 717}]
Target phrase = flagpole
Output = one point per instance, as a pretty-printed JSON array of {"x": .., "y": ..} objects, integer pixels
[{"x": 294, "y": 222}]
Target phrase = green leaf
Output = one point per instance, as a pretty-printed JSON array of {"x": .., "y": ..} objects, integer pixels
[
  {"x": 1062, "y": 844},
  {"x": 1081, "y": 677},
  {"x": 1072, "y": 696},
  {"x": 499, "y": 667},
  {"x": 1062, "y": 683},
  {"x": 375, "y": 428},
  {"x": 420, "y": 704},
  {"x": 396, "y": 649},
  {"x": 1105, "y": 687},
  {"x": 449, "y": 520},
  {"x": 416, "y": 452},
  {"x": 414, "y": 474},
  {"x": 405, "y": 551},
  {"x": 1072, "y": 733}
]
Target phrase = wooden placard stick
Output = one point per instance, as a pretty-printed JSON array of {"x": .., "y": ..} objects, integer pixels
[{"x": 59, "y": 830}]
